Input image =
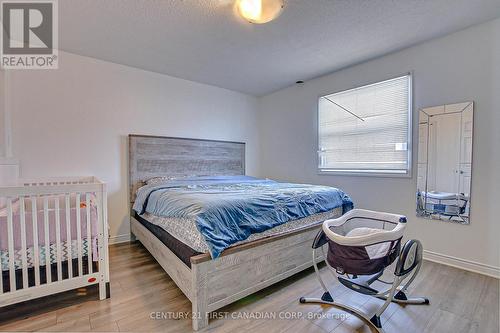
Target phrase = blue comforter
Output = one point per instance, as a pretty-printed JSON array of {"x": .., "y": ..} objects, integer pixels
[{"x": 229, "y": 209}]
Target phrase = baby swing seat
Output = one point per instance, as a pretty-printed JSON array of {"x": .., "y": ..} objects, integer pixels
[{"x": 361, "y": 244}]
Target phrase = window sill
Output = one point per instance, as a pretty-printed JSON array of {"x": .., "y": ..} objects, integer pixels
[{"x": 375, "y": 173}]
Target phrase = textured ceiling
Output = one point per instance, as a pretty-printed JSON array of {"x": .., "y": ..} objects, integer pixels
[{"x": 204, "y": 41}]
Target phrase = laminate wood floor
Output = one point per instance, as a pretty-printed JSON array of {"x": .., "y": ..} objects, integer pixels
[{"x": 145, "y": 299}]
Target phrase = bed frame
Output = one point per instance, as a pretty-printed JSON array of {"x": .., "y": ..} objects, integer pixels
[{"x": 240, "y": 270}]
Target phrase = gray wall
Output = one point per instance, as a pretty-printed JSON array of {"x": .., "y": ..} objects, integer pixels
[{"x": 459, "y": 67}]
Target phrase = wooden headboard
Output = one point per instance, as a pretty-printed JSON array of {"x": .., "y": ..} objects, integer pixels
[{"x": 155, "y": 156}]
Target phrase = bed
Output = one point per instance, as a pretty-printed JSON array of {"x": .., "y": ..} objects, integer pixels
[
  {"x": 221, "y": 235},
  {"x": 445, "y": 204}
]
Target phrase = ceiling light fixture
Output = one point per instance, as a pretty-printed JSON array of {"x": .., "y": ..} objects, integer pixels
[{"x": 260, "y": 11}]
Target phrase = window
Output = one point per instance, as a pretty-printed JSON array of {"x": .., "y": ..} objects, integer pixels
[{"x": 366, "y": 130}]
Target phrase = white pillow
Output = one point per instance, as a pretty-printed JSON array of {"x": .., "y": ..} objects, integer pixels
[
  {"x": 362, "y": 231},
  {"x": 157, "y": 180},
  {"x": 376, "y": 250}
]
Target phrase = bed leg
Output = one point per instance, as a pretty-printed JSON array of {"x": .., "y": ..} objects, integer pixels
[
  {"x": 199, "y": 296},
  {"x": 200, "y": 317}
]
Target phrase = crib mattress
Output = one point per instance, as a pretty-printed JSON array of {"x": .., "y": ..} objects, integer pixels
[
  {"x": 18, "y": 273},
  {"x": 52, "y": 220},
  {"x": 42, "y": 254}
]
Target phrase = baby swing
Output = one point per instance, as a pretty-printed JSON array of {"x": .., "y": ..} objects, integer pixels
[{"x": 361, "y": 244}]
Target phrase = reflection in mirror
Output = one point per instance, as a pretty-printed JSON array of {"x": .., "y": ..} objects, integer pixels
[{"x": 445, "y": 162}]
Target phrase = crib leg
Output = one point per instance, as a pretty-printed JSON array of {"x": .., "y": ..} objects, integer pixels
[
  {"x": 104, "y": 287},
  {"x": 104, "y": 290}
]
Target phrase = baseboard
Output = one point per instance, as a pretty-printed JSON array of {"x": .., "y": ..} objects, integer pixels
[
  {"x": 463, "y": 264},
  {"x": 119, "y": 239}
]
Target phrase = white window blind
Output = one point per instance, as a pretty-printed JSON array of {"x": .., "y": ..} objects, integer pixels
[{"x": 366, "y": 129}]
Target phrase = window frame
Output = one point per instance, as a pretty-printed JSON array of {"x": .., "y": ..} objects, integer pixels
[{"x": 372, "y": 173}]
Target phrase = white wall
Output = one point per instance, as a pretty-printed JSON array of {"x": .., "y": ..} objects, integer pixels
[
  {"x": 75, "y": 120},
  {"x": 459, "y": 67},
  {"x": 2, "y": 113}
]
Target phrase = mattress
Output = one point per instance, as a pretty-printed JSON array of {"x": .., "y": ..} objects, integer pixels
[
  {"x": 229, "y": 210},
  {"x": 444, "y": 196},
  {"x": 30, "y": 254},
  {"x": 182, "y": 237},
  {"x": 181, "y": 250},
  {"x": 18, "y": 273}
]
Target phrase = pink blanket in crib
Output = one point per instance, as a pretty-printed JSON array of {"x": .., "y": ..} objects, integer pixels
[{"x": 40, "y": 223}]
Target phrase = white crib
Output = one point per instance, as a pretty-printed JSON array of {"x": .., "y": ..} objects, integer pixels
[{"x": 53, "y": 238}]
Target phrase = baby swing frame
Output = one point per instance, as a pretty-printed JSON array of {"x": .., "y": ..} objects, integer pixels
[{"x": 409, "y": 261}]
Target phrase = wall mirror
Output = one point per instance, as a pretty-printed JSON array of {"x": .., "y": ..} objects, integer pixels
[{"x": 445, "y": 162}]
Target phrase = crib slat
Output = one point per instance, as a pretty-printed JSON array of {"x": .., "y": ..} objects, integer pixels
[
  {"x": 46, "y": 231},
  {"x": 89, "y": 232},
  {"x": 68, "y": 236},
  {"x": 58, "y": 238},
  {"x": 1, "y": 278},
  {"x": 24, "y": 256},
  {"x": 79, "y": 234},
  {"x": 101, "y": 249},
  {"x": 10, "y": 242},
  {"x": 36, "y": 250}
]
